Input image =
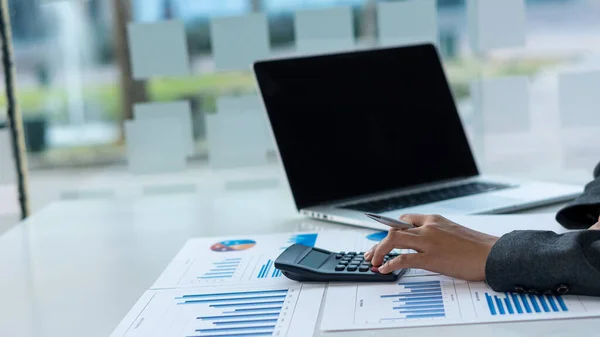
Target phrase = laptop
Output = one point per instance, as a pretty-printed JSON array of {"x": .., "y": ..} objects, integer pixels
[{"x": 378, "y": 131}]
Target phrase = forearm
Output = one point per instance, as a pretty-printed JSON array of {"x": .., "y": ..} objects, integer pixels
[{"x": 544, "y": 262}]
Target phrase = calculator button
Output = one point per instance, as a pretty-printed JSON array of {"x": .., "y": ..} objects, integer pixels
[
  {"x": 363, "y": 269},
  {"x": 357, "y": 258},
  {"x": 340, "y": 267},
  {"x": 354, "y": 264},
  {"x": 345, "y": 263},
  {"x": 352, "y": 268},
  {"x": 342, "y": 253},
  {"x": 339, "y": 256},
  {"x": 351, "y": 253}
]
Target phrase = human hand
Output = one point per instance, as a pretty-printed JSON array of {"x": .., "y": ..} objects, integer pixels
[
  {"x": 442, "y": 246},
  {"x": 596, "y": 226}
]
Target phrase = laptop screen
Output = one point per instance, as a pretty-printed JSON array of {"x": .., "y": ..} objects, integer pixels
[{"x": 360, "y": 123}]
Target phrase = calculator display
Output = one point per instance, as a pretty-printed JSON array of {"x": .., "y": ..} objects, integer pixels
[{"x": 314, "y": 259}]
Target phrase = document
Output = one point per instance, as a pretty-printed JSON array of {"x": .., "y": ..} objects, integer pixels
[
  {"x": 251, "y": 259},
  {"x": 440, "y": 300},
  {"x": 225, "y": 311},
  {"x": 231, "y": 260},
  {"x": 229, "y": 286}
]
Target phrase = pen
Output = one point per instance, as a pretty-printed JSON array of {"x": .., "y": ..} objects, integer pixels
[{"x": 397, "y": 224}]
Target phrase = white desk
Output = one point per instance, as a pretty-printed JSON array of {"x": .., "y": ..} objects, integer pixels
[{"x": 76, "y": 268}]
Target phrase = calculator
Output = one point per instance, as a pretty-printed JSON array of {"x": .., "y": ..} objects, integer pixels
[{"x": 303, "y": 263}]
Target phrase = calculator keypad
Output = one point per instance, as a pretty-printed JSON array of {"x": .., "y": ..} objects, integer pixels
[{"x": 353, "y": 262}]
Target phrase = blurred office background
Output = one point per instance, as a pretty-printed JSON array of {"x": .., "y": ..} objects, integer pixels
[{"x": 134, "y": 98}]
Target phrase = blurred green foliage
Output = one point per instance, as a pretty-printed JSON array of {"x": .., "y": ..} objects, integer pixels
[
  {"x": 208, "y": 87},
  {"x": 36, "y": 101}
]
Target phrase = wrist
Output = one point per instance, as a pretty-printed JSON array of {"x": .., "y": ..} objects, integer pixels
[{"x": 489, "y": 244}]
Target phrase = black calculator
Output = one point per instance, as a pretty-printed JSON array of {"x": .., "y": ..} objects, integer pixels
[{"x": 303, "y": 263}]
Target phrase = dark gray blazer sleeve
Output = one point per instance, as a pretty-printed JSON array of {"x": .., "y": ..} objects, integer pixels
[{"x": 546, "y": 262}]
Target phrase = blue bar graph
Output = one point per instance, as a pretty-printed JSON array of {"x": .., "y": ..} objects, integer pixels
[
  {"x": 508, "y": 305},
  {"x": 236, "y": 330},
  {"x": 534, "y": 303},
  {"x": 243, "y": 304},
  {"x": 426, "y": 315},
  {"x": 552, "y": 303},
  {"x": 236, "y": 299},
  {"x": 523, "y": 304},
  {"x": 255, "y": 321},
  {"x": 499, "y": 305},
  {"x": 419, "y": 307},
  {"x": 417, "y": 286},
  {"x": 490, "y": 304},
  {"x": 252, "y": 310},
  {"x": 517, "y": 304},
  {"x": 428, "y": 290},
  {"x": 224, "y": 269},
  {"x": 236, "y": 314},
  {"x": 562, "y": 304},
  {"x": 543, "y": 303},
  {"x": 254, "y": 334},
  {"x": 261, "y": 292},
  {"x": 417, "y": 300},
  {"x": 412, "y": 295},
  {"x": 268, "y": 270},
  {"x": 242, "y": 316}
]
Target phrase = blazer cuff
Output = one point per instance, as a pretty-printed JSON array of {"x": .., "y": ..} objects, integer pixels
[{"x": 541, "y": 262}]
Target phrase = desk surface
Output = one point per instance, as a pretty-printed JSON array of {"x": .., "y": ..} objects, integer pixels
[{"x": 76, "y": 268}]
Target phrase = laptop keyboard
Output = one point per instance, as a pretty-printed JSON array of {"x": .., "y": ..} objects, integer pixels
[{"x": 422, "y": 198}]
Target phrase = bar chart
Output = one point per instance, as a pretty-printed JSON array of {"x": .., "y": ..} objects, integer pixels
[
  {"x": 418, "y": 300},
  {"x": 267, "y": 270},
  {"x": 219, "y": 271},
  {"x": 226, "y": 311},
  {"x": 415, "y": 299},
  {"x": 224, "y": 269},
  {"x": 441, "y": 300},
  {"x": 198, "y": 264},
  {"x": 523, "y": 304},
  {"x": 253, "y": 313}
]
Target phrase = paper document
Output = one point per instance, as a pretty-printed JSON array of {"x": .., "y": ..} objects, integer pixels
[
  {"x": 229, "y": 286},
  {"x": 440, "y": 300},
  {"x": 225, "y": 311},
  {"x": 213, "y": 261}
]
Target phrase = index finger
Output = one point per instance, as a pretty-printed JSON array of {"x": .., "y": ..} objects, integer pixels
[
  {"x": 395, "y": 239},
  {"x": 416, "y": 219}
]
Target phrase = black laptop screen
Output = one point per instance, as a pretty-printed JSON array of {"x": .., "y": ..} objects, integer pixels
[{"x": 360, "y": 123}]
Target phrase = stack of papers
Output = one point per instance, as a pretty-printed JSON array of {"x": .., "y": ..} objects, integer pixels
[{"x": 229, "y": 287}]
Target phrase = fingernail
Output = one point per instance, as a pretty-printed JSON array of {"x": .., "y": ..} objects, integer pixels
[
  {"x": 383, "y": 269},
  {"x": 367, "y": 255}
]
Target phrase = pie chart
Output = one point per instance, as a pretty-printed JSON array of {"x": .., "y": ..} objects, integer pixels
[{"x": 232, "y": 245}]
